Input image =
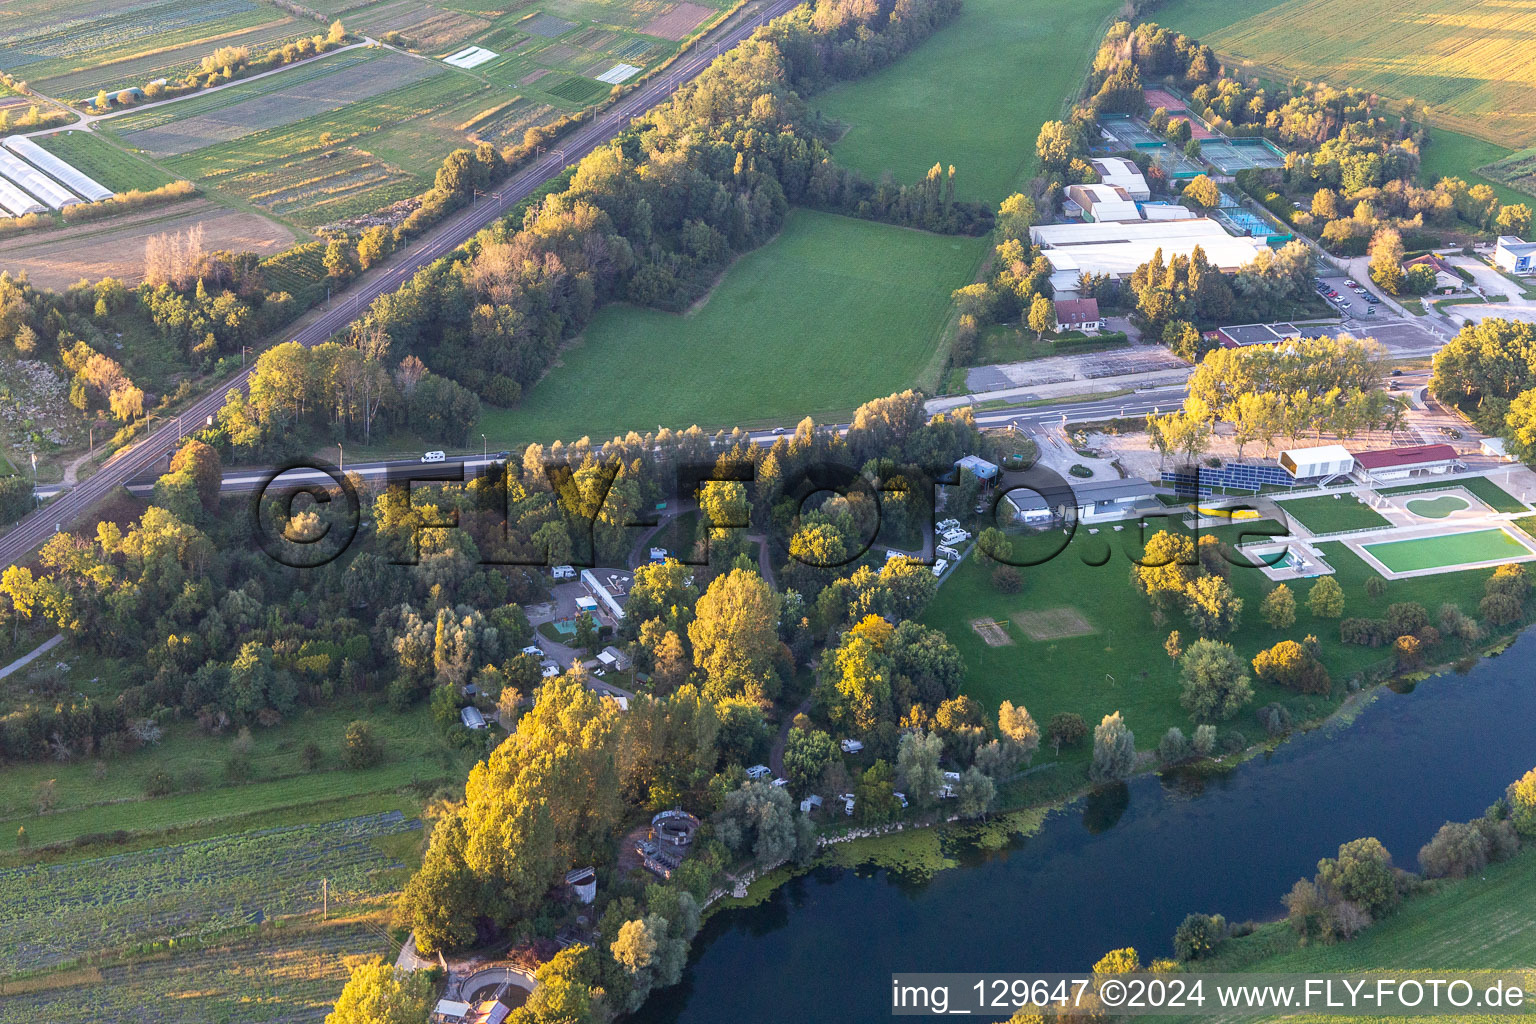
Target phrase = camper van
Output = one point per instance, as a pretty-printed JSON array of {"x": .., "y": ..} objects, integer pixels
[{"x": 435, "y": 457}]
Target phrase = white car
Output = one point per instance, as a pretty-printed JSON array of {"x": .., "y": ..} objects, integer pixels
[
  {"x": 534, "y": 650},
  {"x": 435, "y": 457}
]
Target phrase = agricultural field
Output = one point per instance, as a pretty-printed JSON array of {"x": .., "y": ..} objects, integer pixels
[
  {"x": 289, "y": 971},
  {"x": 1472, "y": 65},
  {"x": 974, "y": 95},
  {"x": 113, "y": 166},
  {"x": 1477, "y": 162},
  {"x": 338, "y": 138},
  {"x": 71, "y": 50},
  {"x": 831, "y": 313},
  {"x": 1099, "y": 651},
  {"x": 115, "y": 247},
  {"x": 53, "y": 914},
  {"x": 422, "y": 26}
]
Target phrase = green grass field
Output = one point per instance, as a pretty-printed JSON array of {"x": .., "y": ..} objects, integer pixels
[
  {"x": 1480, "y": 923},
  {"x": 1490, "y": 493},
  {"x": 1122, "y": 665},
  {"x": 1453, "y": 549},
  {"x": 831, "y": 313},
  {"x": 1438, "y": 507},
  {"x": 1470, "y": 64},
  {"x": 1454, "y": 155},
  {"x": 109, "y": 164},
  {"x": 974, "y": 95},
  {"x": 1333, "y": 513}
]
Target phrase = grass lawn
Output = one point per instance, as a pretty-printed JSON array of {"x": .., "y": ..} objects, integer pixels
[
  {"x": 1333, "y": 513},
  {"x": 974, "y": 95},
  {"x": 831, "y": 313},
  {"x": 1452, "y": 154},
  {"x": 1121, "y": 665},
  {"x": 1452, "y": 549},
  {"x": 1490, "y": 493},
  {"x": 112, "y": 166},
  {"x": 1480, "y": 923},
  {"x": 1004, "y": 344}
]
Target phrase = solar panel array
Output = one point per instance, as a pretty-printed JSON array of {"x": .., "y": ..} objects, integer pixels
[{"x": 1201, "y": 481}]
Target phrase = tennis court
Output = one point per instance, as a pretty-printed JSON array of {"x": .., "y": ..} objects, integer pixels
[
  {"x": 1232, "y": 155},
  {"x": 1472, "y": 548},
  {"x": 1130, "y": 133},
  {"x": 1173, "y": 162},
  {"x": 1244, "y": 222}
]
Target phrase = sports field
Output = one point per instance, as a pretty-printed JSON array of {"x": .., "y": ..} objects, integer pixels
[
  {"x": 831, "y": 313},
  {"x": 1471, "y": 63},
  {"x": 1333, "y": 513},
  {"x": 974, "y": 95},
  {"x": 1471, "y": 548}
]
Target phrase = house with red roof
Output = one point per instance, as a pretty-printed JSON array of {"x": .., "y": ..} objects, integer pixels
[{"x": 1401, "y": 463}]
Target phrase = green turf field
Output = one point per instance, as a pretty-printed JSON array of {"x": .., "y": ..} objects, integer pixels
[
  {"x": 974, "y": 95},
  {"x": 1454, "y": 549},
  {"x": 1438, "y": 507},
  {"x": 831, "y": 313},
  {"x": 1490, "y": 493},
  {"x": 109, "y": 164},
  {"x": 1333, "y": 513}
]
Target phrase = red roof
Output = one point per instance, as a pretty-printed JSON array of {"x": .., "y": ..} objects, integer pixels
[
  {"x": 1429, "y": 259},
  {"x": 1393, "y": 458},
  {"x": 1077, "y": 311}
]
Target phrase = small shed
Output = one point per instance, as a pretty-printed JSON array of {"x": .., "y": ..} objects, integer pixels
[
  {"x": 982, "y": 469},
  {"x": 1496, "y": 447},
  {"x": 852, "y": 746},
  {"x": 810, "y": 803},
  {"x": 1318, "y": 462},
  {"x": 615, "y": 658},
  {"x": 472, "y": 718}
]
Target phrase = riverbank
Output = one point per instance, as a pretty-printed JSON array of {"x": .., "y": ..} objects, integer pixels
[{"x": 1123, "y": 865}]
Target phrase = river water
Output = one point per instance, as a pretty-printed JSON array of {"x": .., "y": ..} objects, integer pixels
[{"x": 1123, "y": 868}]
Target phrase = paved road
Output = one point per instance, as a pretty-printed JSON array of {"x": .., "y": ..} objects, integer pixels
[{"x": 162, "y": 442}]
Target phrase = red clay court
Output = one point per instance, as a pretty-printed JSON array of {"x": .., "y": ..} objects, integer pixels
[{"x": 1163, "y": 98}]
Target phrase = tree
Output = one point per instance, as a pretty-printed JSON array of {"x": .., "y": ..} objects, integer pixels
[
  {"x": 337, "y": 33},
  {"x": 735, "y": 636},
  {"x": 22, "y": 590},
  {"x": 875, "y": 796},
  {"x": 360, "y": 748},
  {"x": 1521, "y": 796},
  {"x": 1202, "y": 191},
  {"x": 1114, "y": 750},
  {"x": 1326, "y": 598},
  {"x": 1042, "y": 316},
  {"x": 1387, "y": 260},
  {"x": 760, "y": 820},
  {"x": 1173, "y": 748},
  {"x": 1212, "y": 606},
  {"x": 1018, "y": 727},
  {"x": 339, "y": 260},
  {"x": 917, "y": 766},
  {"x": 1014, "y": 217},
  {"x": 1361, "y": 874},
  {"x": 1291, "y": 665},
  {"x": 1174, "y": 645},
  {"x": 1198, "y": 935},
  {"x": 1056, "y": 145},
  {"x": 807, "y": 752},
  {"x": 1514, "y": 219},
  {"x": 205, "y": 467},
  {"x": 974, "y": 794},
  {"x": 1279, "y": 608},
  {"x": 1215, "y": 687},
  {"x": 380, "y": 993}
]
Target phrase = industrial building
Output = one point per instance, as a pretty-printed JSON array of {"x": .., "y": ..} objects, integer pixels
[
  {"x": 1512, "y": 255},
  {"x": 609, "y": 590},
  {"x": 1117, "y": 249},
  {"x": 1092, "y": 501}
]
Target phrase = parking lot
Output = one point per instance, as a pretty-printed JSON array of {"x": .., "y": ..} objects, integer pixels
[{"x": 1403, "y": 336}]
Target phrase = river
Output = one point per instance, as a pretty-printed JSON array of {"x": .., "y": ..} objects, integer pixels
[{"x": 1125, "y": 868}]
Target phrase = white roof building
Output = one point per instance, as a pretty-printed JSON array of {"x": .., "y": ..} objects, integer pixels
[
  {"x": 1122, "y": 173},
  {"x": 1322, "y": 461},
  {"x": 1117, "y": 249},
  {"x": 1513, "y": 255},
  {"x": 1104, "y": 203},
  {"x": 36, "y": 182},
  {"x": 67, "y": 173}
]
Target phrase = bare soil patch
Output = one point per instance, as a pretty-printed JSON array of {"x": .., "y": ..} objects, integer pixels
[
  {"x": 677, "y": 22},
  {"x": 115, "y": 248},
  {"x": 992, "y": 632},
  {"x": 1053, "y": 623}
]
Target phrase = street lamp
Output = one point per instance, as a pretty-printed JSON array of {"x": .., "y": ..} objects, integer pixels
[
  {"x": 485, "y": 448},
  {"x": 341, "y": 459}
]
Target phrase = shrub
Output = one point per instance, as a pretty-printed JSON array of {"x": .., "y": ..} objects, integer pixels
[
  {"x": 160, "y": 783},
  {"x": 1326, "y": 598},
  {"x": 1204, "y": 741},
  {"x": 1500, "y": 609},
  {"x": 1174, "y": 747},
  {"x": 1408, "y": 653},
  {"x": 1406, "y": 617},
  {"x": 1114, "y": 750},
  {"x": 1509, "y": 579},
  {"x": 1007, "y": 579},
  {"x": 1066, "y": 729},
  {"x": 361, "y": 748},
  {"x": 311, "y": 756},
  {"x": 1460, "y": 849},
  {"x": 1375, "y": 587},
  {"x": 1198, "y": 936},
  {"x": 1293, "y": 666},
  {"x": 1364, "y": 632},
  {"x": 1275, "y": 718}
]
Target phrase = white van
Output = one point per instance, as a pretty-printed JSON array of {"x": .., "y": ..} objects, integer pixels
[
  {"x": 434, "y": 457},
  {"x": 563, "y": 572}
]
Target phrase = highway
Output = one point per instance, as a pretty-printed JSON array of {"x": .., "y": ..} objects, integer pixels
[
  {"x": 241, "y": 481},
  {"x": 161, "y": 443}
]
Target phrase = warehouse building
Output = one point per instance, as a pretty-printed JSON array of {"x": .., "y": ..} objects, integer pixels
[
  {"x": 1118, "y": 172},
  {"x": 1104, "y": 203},
  {"x": 1117, "y": 249}
]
